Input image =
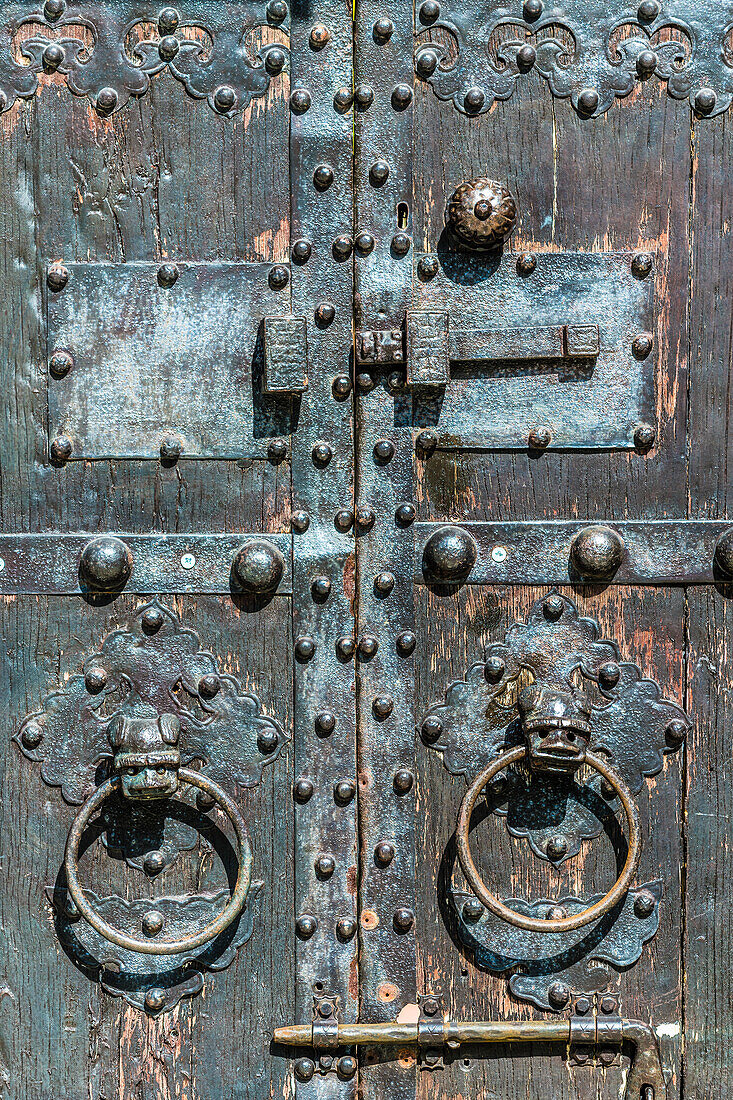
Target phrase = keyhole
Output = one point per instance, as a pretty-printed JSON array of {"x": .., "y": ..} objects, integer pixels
[{"x": 403, "y": 214}]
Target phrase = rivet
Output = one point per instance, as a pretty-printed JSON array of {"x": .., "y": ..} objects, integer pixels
[
  {"x": 106, "y": 101},
  {"x": 346, "y": 928},
  {"x": 363, "y": 96},
  {"x": 305, "y": 647},
  {"x": 167, "y": 274},
  {"x": 644, "y": 903},
  {"x": 368, "y": 646},
  {"x": 95, "y": 679},
  {"x": 384, "y": 450},
  {"x": 403, "y": 920},
  {"x": 305, "y": 926},
  {"x": 641, "y": 345},
  {"x": 105, "y": 563},
  {"x": 322, "y": 454},
  {"x": 597, "y": 551},
  {"x": 325, "y": 1009},
  {"x": 557, "y": 846},
  {"x": 364, "y": 243},
  {"x": 321, "y": 587},
  {"x": 405, "y": 514},
  {"x": 325, "y": 722},
  {"x": 644, "y": 436},
  {"x": 209, "y": 685},
  {"x": 532, "y": 9},
  {"x": 345, "y": 647},
  {"x": 384, "y": 852},
  {"x": 154, "y": 862},
  {"x": 152, "y": 922},
  {"x": 365, "y": 381},
  {"x": 646, "y": 62},
  {"x": 365, "y": 517},
  {"x": 300, "y": 521},
  {"x": 558, "y": 994},
  {"x": 277, "y": 10},
  {"x": 474, "y": 99},
  {"x": 343, "y": 98},
  {"x": 382, "y": 706},
  {"x": 430, "y": 1007},
  {"x": 526, "y": 263},
  {"x": 378, "y": 173},
  {"x": 426, "y": 62},
  {"x": 204, "y": 801},
  {"x": 608, "y": 1005},
  {"x": 384, "y": 583},
  {"x": 426, "y": 442},
  {"x": 705, "y": 101},
  {"x": 304, "y": 1069},
  {"x": 278, "y": 277},
  {"x": 302, "y": 790},
  {"x": 319, "y": 36},
  {"x": 325, "y": 866},
  {"x": 167, "y": 20},
  {"x": 342, "y": 247},
  {"x": 344, "y": 519},
  {"x": 431, "y": 729},
  {"x": 401, "y": 96},
  {"x": 53, "y": 9},
  {"x": 277, "y": 450},
  {"x": 405, "y": 642},
  {"x": 57, "y": 277},
  {"x": 588, "y": 101},
  {"x": 556, "y": 912},
  {"x": 540, "y": 438},
  {"x": 449, "y": 554},
  {"x": 168, "y": 47},
  {"x": 553, "y": 607},
  {"x": 341, "y": 386},
  {"x": 676, "y": 732},
  {"x": 344, "y": 791},
  {"x": 171, "y": 448},
  {"x": 582, "y": 1006},
  {"x": 642, "y": 264},
  {"x": 32, "y": 735},
  {"x": 526, "y": 57},
  {"x": 267, "y": 741},
  {"x": 151, "y": 620},
  {"x": 346, "y": 1067},
  {"x": 400, "y": 245},
  {"x": 427, "y": 267},
  {"x": 52, "y": 56},
  {"x": 258, "y": 566},
  {"x": 300, "y": 101},
  {"x": 275, "y": 60},
  {"x": 155, "y": 1000},
  {"x": 395, "y": 381},
  {"x": 648, "y": 10},
  {"x": 494, "y": 669},
  {"x": 324, "y": 314},
  {"x": 473, "y": 910},
  {"x": 60, "y": 363},
  {"x": 383, "y": 29},
  {"x": 429, "y": 11},
  {"x": 403, "y": 780}
]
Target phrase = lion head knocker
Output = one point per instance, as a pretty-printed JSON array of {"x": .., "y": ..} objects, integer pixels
[
  {"x": 556, "y": 727},
  {"x": 146, "y": 755}
]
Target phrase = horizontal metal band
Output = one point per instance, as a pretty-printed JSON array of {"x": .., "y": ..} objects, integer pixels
[
  {"x": 34, "y": 564},
  {"x": 655, "y": 552}
]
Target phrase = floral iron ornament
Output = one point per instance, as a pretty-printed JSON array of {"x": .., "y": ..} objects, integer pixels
[{"x": 121, "y": 739}]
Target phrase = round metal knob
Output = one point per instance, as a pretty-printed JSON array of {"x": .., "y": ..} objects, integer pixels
[
  {"x": 449, "y": 555},
  {"x": 258, "y": 566},
  {"x": 724, "y": 553},
  {"x": 597, "y": 552},
  {"x": 106, "y": 563},
  {"x": 481, "y": 213}
]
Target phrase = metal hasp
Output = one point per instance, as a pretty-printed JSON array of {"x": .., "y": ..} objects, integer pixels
[{"x": 644, "y": 1080}]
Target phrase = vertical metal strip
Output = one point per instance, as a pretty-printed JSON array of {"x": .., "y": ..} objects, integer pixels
[
  {"x": 321, "y": 184},
  {"x": 385, "y": 719}
]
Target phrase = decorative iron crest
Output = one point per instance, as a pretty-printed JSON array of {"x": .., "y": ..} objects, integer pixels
[
  {"x": 592, "y": 52},
  {"x": 582, "y": 962},
  {"x": 204, "y": 43},
  {"x": 625, "y": 720}
]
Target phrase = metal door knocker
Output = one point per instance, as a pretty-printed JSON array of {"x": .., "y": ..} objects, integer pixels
[
  {"x": 549, "y": 700},
  {"x": 147, "y": 740}
]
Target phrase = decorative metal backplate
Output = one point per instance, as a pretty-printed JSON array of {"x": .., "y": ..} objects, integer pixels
[
  {"x": 592, "y": 52},
  {"x": 142, "y": 363},
  {"x": 504, "y": 382},
  {"x": 548, "y": 969},
  {"x": 205, "y": 44}
]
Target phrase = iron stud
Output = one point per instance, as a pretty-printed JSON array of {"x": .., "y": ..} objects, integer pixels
[
  {"x": 383, "y": 29},
  {"x": 400, "y": 244},
  {"x": 321, "y": 587},
  {"x": 57, "y": 277},
  {"x": 258, "y": 566},
  {"x": 526, "y": 263},
  {"x": 325, "y": 722},
  {"x": 382, "y": 706},
  {"x": 648, "y": 10},
  {"x": 474, "y": 100},
  {"x": 403, "y": 780},
  {"x": 365, "y": 381},
  {"x": 429, "y": 11},
  {"x": 325, "y": 866},
  {"x": 277, "y": 450},
  {"x": 324, "y": 314},
  {"x": 342, "y": 247},
  {"x": 275, "y": 61},
  {"x": 588, "y": 101},
  {"x": 644, "y": 903},
  {"x": 473, "y": 910},
  {"x": 300, "y": 101},
  {"x": 426, "y": 442},
  {"x": 641, "y": 264},
  {"x": 345, "y": 648},
  {"x": 154, "y": 862},
  {"x": 368, "y": 646},
  {"x": 384, "y": 450},
  {"x": 53, "y": 9},
  {"x": 427, "y": 267},
  {"x": 364, "y": 96},
  {"x": 532, "y": 9},
  {"x": 167, "y": 21},
  {"x": 267, "y": 741},
  {"x": 384, "y": 852},
  {"x": 343, "y": 98},
  {"x": 32, "y": 735},
  {"x": 300, "y": 521},
  {"x": 106, "y": 563},
  {"x": 583, "y": 1006},
  {"x": 167, "y": 274},
  {"x": 304, "y": 1069},
  {"x": 53, "y": 55},
  {"x": 430, "y": 1006},
  {"x": 322, "y": 454},
  {"x": 378, "y": 173},
  {"x": 384, "y": 583},
  {"x": 155, "y": 1000},
  {"x": 279, "y": 277},
  {"x": 341, "y": 386},
  {"x": 405, "y": 514},
  {"x": 449, "y": 555},
  {"x": 553, "y": 607},
  {"x": 641, "y": 345},
  {"x": 405, "y": 642},
  {"x": 209, "y": 685},
  {"x": 401, "y": 96},
  {"x": 609, "y": 1005},
  {"x": 676, "y": 732},
  {"x": 347, "y": 1067},
  {"x": 319, "y": 36},
  {"x": 305, "y": 647},
  {"x": 597, "y": 551},
  {"x": 305, "y": 926},
  {"x": 168, "y": 47},
  {"x": 526, "y": 57},
  {"x": 171, "y": 448},
  {"x": 557, "y": 847},
  {"x": 494, "y": 669},
  {"x": 431, "y": 729},
  {"x": 558, "y": 994},
  {"x": 60, "y": 363},
  {"x": 106, "y": 101},
  {"x": 152, "y": 620},
  {"x": 204, "y": 801},
  {"x": 364, "y": 243},
  {"x": 344, "y": 791},
  {"x": 344, "y": 519},
  {"x": 644, "y": 436},
  {"x": 403, "y": 920},
  {"x": 346, "y": 928},
  {"x": 152, "y": 922},
  {"x": 95, "y": 679},
  {"x": 646, "y": 63},
  {"x": 705, "y": 101},
  {"x": 426, "y": 63},
  {"x": 539, "y": 439},
  {"x": 365, "y": 517},
  {"x": 277, "y": 11},
  {"x": 302, "y": 790}
]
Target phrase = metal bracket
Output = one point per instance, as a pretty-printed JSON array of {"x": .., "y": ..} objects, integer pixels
[{"x": 286, "y": 355}]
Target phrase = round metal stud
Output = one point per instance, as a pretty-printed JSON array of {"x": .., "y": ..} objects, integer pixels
[
  {"x": 155, "y": 1000},
  {"x": 382, "y": 706},
  {"x": 641, "y": 345},
  {"x": 258, "y": 566},
  {"x": 532, "y": 9},
  {"x": 152, "y": 620},
  {"x": 588, "y": 101},
  {"x": 53, "y": 9},
  {"x": 705, "y": 101},
  {"x": 379, "y": 173},
  {"x": 426, "y": 442},
  {"x": 364, "y": 517},
  {"x": 346, "y": 929},
  {"x": 449, "y": 555},
  {"x": 474, "y": 100},
  {"x": 300, "y": 521},
  {"x": 473, "y": 910},
  {"x": 558, "y": 994},
  {"x": 426, "y": 63},
  {"x": 401, "y": 96},
  {"x": 325, "y": 722},
  {"x": 539, "y": 438},
  {"x": 526, "y": 263},
  {"x": 168, "y": 20},
  {"x": 304, "y": 1069},
  {"x": 384, "y": 583},
  {"x": 168, "y": 47},
  {"x": 277, "y": 11},
  {"x": 383, "y": 29},
  {"x": 646, "y": 63},
  {"x": 644, "y": 903},
  {"x": 60, "y": 363},
  {"x": 431, "y": 729},
  {"x": 95, "y": 679},
  {"x": 167, "y": 274},
  {"x": 365, "y": 381},
  {"x": 345, "y": 647},
  {"x": 494, "y": 669},
  {"x": 106, "y": 563},
  {"x": 648, "y": 10},
  {"x": 32, "y": 735},
  {"x": 384, "y": 450},
  {"x": 403, "y": 920},
  {"x": 171, "y": 448},
  {"x": 609, "y": 674},
  {"x": 277, "y": 450},
  {"x": 300, "y": 101},
  {"x": 403, "y": 780},
  {"x": 557, "y": 847},
  {"x": 152, "y": 922},
  {"x": 322, "y": 454},
  {"x": 305, "y": 647},
  {"x": 342, "y": 247},
  {"x": 321, "y": 587},
  {"x": 204, "y": 801},
  {"x": 344, "y": 519},
  {"x": 405, "y": 514},
  {"x": 644, "y": 436},
  {"x": 429, "y": 11},
  {"x": 106, "y": 101},
  {"x": 642, "y": 264},
  {"x": 279, "y": 277},
  {"x": 302, "y": 790},
  {"x": 526, "y": 57},
  {"x": 344, "y": 791},
  {"x": 52, "y": 56},
  {"x": 267, "y": 741},
  {"x": 364, "y": 243},
  {"x": 320, "y": 36},
  {"x": 553, "y": 607},
  {"x": 154, "y": 862},
  {"x": 346, "y": 1067},
  {"x": 597, "y": 551},
  {"x": 325, "y": 866},
  {"x": 384, "y": 852},
  {"x": 395, "y": 381},
  {"x": 209, "y": 686},
  {"x": 481, "y": 213},
  {"x": 57, "y": 277},
  {"x": 324, "y": 314},
  {"x": 400, "y": 244},
  {"x": 363, "y": 96},
  {"x": 275, "y": 61},
  {"x": 341, "y": 386},
  {"x": 343, "y": 98},
  {"x": 405, "y": 642},
  {"x": 427, "y": 267},
  {"x": 368, "y": 646},
  {"x": 305, "y": 926}
]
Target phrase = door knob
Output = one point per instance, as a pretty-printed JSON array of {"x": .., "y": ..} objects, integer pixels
[{"x": 481, "y": 214}]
